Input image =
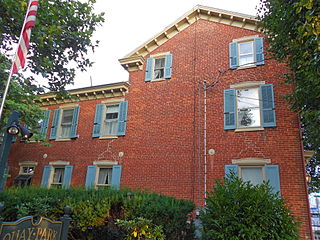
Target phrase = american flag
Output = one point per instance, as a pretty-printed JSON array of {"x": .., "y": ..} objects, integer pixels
[{"x": 30, "y": 21}]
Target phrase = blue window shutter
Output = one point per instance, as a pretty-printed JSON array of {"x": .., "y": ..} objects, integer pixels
[
  {"x": 98, "y": 120},
  {"x": 230, "y": 169},
  {"x": 168, "y": 66},
  {"x": 116, "y": 176},
  {"x": 258, "y": 46},
  {"x": 229, "y": 109},
  {"x": 91, "y": 176},
  {"x": 67, "y": 177},
  {"x": 45, "y": 123},
  {"x": 122, "y": 120},
  {"x": 149, "y": 70},
  {"x": 74, "y": 126},
  {"x": 46, "y": 176},
  {"x": 233, "y": 52},
  {"x": 272, "y": 175},
  {"x": 14, "y": 139},
  {"x": 267, "y": 102},
  {"x": 55, "y": 124}
]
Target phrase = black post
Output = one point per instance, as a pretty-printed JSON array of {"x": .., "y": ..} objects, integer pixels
[
  {"x": 1, "y": 209},
  {"x": 5, "y": 149},
  {"x": 65, "y": 223}
]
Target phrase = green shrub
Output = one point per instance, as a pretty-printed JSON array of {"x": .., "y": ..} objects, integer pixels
[
  {"x": 141, "y": 229},
  {"x": 94, "y": 212},
  {"x": 238, "y": 210}
]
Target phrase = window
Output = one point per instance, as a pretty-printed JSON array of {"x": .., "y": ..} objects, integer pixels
[
  {"x": 65, "y": 123},
  {"x": 104, "y": 176},
  {"x": 27, "y": 170},
  {"x": 254, "y": 171},
  {"x": 57, "y": 174},
  {"x": 159, "y": 67},
  {"x": 246, "y": 52},
  {"x": 57, "y": 177},
  {"x": 254, "y": 175},
  {"x": 110, "y": 119},
  {"x": 25, "y": 174},
  {"x": 249, "y": 106},
  {"x": 110, "y": 124},
  {"x": 103, "y": 173}
]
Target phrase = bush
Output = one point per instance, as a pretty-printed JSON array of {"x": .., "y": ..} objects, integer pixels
[
  {"x": 238, "y": 210},
  {"x": 141, "y": 229},
  {"x": 94, "y": 212}
]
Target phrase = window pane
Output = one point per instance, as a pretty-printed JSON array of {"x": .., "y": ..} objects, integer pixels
[
  {"x": 65, "y": 131},
  {"x": 28, "y": 170},
  {"x": 110, "y": 125},
  {"x": 58, "y": 175},
  {"x": 66, "y": 123},
  {"x": 246, "y": 53},
  {"x": 67, "y": 116},
  {"x": 159, "y": 63},
  {"x": 158, "y": 73},
  {"x": 252, "y": 175},
  {"x": 246, "y": 48},
  {"x": 248, "y": 107},
  {"x": 246, "y": 59},
  {"x": 105, "y": 176},
  {"x": 159, "y": 68}
]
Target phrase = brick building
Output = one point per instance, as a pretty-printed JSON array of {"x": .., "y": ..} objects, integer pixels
[{"x": 203, "y": 99}]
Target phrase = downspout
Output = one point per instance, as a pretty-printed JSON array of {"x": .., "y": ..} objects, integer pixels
[{"x": 205, "y": 139}]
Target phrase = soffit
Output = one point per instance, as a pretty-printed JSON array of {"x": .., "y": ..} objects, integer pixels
[
  {"x": 135, "y": 59},
  {"x": 83, "y": 94}
]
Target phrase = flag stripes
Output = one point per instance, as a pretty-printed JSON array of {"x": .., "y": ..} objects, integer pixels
[{"x": 30, "y": 21}]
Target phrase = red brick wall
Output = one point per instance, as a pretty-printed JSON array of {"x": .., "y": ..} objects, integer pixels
[{"x": 163, "y": 147}]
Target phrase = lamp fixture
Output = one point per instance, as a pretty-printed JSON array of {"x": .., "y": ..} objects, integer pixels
[{"x": 15, "y": 128}]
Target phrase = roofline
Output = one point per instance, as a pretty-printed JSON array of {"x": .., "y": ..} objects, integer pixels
[
  {"x": 198, "y": 12},
  {"x": 109, "y": 90}
]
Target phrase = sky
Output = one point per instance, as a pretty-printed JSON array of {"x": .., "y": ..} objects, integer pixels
[{"x": 128, "y": 24}]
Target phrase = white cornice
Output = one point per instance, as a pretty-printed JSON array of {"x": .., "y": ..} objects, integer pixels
[
  {"x": 135, "y": 59},
  {"x": 88, "y": 93}
]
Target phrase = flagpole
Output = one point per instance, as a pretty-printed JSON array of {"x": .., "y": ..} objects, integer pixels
[{"x": 13, "y": 61}]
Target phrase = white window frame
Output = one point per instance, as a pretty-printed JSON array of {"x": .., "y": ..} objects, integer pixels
[
  {"x": 59, "y": 130},
  {"x": 102, "y": 165},
  {"x": 252, "y": 163},
  {"x": 243, "y": 40},
  {"x": 248, "y": 85},
  {"x": 29, "y": 164},
  {"x": 55, "y": 165},
  {"x": 154, "y": 68},
  {"x": 252, "y": 64},
  {"x": 109, "y": 102},
  {"x": 237, "y": 109},
  {"x": 104, "y": 121},
  {"x": 158, "y": 56}
]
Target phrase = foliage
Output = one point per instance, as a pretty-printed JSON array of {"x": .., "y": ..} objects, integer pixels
[
  {"x": 141, "y": 228},
  {"x": 171, "y": 214},
  {"x": 94, "y": 212},
  {"x": 59, "y": 45},
  {"x": 293, "y": 28},
  {"x": 239, "y": 210},
  {"x": 21, "y": 96},
  {"x": 60, "y": 39}
]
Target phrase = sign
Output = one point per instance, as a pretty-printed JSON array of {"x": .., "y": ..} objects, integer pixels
[{"x": 26, "y": 229}]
